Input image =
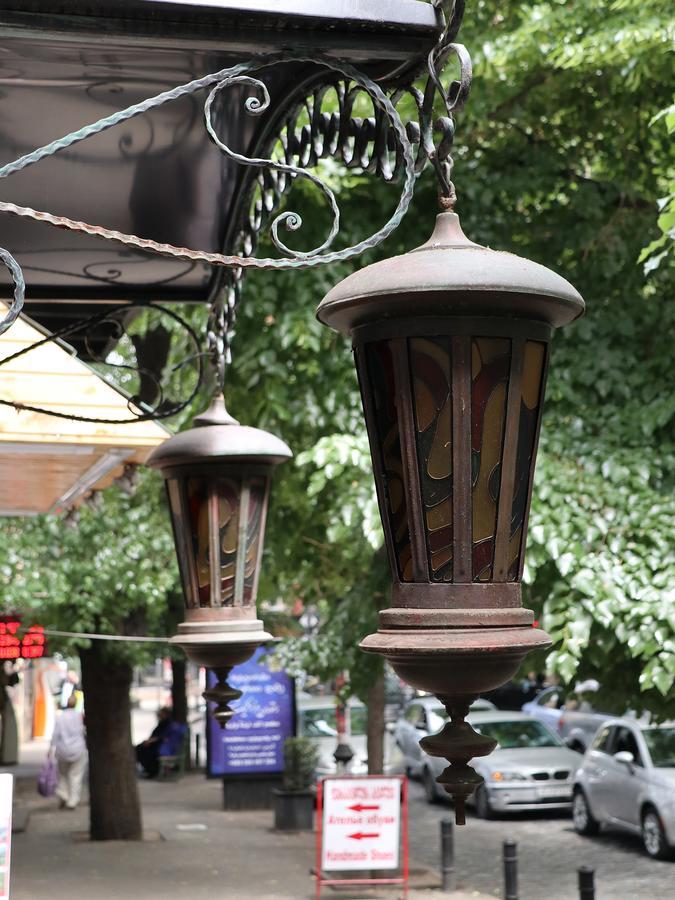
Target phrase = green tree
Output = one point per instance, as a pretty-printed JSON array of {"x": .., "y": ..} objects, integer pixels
[
  {"x": 558, "y": 158},
  {"x": 107, "y": 571}
]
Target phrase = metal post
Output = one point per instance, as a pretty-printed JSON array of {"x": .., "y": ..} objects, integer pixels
[
  {"x": 197, "y": 749},
  {"x": 510, "y": 870},
  {"x": 447, "y": 855},
  {"x": 586, "y": 883}
]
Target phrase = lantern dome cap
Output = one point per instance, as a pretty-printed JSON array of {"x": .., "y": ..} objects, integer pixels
[
  {"x": 217, "y": 437},
  {"x": 450, "y": 275}
]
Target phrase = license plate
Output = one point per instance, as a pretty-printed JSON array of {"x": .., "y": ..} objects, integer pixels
[{"x": 553, "y": 790}]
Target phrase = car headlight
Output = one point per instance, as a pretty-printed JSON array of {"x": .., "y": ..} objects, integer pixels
[{"x": 504, "y": 775}]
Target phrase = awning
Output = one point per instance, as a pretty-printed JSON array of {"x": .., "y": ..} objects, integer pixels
[{"x": 48, "y": 463}]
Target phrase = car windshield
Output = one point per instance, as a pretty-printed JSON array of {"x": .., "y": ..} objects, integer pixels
[
  {"x": 661, "y": 744},
  {"x": 322, "y": 722},
  {"x": 514, "y": 734}
]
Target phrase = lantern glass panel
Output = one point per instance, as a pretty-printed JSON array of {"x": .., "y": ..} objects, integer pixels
[
  {"x": 490, "y": 366},
  {"x": 531, "y": 392},
  {"x": 430, "y": 368},
  {"x": 183, "y": 541},
  {"x": 254, "y": 528},
  {"x": 380, "y": 367}
]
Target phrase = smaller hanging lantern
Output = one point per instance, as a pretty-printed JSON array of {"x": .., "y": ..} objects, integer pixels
[
  {"x": 217, "y": 478},
  {"x": 451, "y": 347}
]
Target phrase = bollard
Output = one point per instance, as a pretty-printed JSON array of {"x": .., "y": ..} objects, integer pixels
[
  {"x": 197, "y": 748},
  {"x": 586, "y": 883},
  {"x": 447, "y": 855},
  {"x": 510, "y": 870}
]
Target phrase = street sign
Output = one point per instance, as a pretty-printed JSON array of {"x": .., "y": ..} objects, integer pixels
[
  {"x": 253, "y": 742},
  {"x": 6, "y": 785},
  {"x": 362, "y": 828}
]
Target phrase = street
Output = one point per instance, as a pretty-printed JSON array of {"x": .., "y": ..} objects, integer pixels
[{"x": 549, "y": 853}]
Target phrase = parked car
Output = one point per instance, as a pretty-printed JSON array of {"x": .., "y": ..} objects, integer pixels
[
  {"x": 530, "y": 769},
  {"x": 317, "y": 720},
  {"x": 548, "y": 706},
  {"x": 627, "y": 779},
  {"x": 572, "y": 715},
  {"x": 423, "y": 716}
]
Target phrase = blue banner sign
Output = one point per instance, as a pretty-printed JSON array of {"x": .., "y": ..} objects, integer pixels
[{"x": 253, "y": 741}]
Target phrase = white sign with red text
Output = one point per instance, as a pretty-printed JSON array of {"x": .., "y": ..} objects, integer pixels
[{"x": 361, "y": 823}]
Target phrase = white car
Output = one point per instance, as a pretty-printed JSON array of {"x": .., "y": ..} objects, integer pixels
[
  {"x": 317, "y": 720},
  {"x": 530, "y": 768},
  {"x": 627, "y": 779}
]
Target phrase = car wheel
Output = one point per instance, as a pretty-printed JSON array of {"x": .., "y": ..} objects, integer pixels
[
  {"x": 430, "y": 787},
  {"x": 653, "y": 835},
  {"x": 483, "y": 806},
  {"x": 584, "y": 823}
]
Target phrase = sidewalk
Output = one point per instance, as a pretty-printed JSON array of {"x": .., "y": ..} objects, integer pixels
[{"x": 193, "y": 850}]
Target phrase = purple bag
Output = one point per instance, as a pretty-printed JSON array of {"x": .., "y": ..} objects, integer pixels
[{"x": 48, "y": 778}]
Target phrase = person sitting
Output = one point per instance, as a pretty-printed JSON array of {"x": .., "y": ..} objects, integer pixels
[{"x": 148, "y": 752}]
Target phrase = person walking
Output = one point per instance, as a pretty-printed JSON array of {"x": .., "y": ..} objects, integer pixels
[{"x": 70, "y": 748}]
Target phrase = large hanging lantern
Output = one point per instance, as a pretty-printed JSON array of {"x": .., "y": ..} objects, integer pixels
[
  {"x": 217, "y": 482},
  {"x": 451, "y": 345}
]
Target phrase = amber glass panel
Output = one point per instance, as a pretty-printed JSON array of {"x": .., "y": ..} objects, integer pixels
[
  {"x": 490, "y": 364},
  {"x": 198, "y": 510},
  {"x": 430, "y": 367},
  {"x": 254, "y": 537},
  {"x": 380, "y": 369},
  {"x": 530, "y": 400},
  {"x": 181, "y": 538},
  {"x": 229, "y": 492}
]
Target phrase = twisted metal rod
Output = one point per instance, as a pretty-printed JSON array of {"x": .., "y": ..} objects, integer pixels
[{"x": 222, "y": 79}]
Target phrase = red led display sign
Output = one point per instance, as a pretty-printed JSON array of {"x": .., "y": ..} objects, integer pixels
[{"x": 21, "y": 642}]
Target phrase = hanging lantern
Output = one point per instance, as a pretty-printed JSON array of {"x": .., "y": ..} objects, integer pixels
[
  {"x": 217, "y": 482},
  {"x": 451, "y": 345}
]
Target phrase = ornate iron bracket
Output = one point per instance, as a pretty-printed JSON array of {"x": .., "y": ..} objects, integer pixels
[{"x": 306, "y": 131}]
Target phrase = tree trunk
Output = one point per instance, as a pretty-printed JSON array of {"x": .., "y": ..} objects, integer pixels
[
  {"x": 115, "y": 812},
  {"x": 178, "y": 692},
  {"x": 375, "y": 737}
]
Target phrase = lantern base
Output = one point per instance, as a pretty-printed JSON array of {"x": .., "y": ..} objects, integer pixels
[
  {"x": 220, "y": 644},
  {"x": 456, "y": 654}
]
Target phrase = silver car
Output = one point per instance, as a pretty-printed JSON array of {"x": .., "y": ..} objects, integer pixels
[
  {"x": 627, "y": 779},
  {"x": 530, "y": 769}
]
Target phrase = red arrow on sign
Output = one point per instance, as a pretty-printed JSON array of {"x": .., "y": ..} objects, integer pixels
[
  {"x": 359, "y": 807},
  {"x": 358, "y": 836}
]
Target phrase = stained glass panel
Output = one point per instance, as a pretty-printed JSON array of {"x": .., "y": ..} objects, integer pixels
[
  {"x": 380, "y": 368},
  {"x": 531, "y": 393},
  {"x": 228, "y": 491},
  {"x": 198, "y": 509},
  {"x": 255, "y": 516},
  {"x": 490, "y": 365},
  {"x": 430, "y": 367}
]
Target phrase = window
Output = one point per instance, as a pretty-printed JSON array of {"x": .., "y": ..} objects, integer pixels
[
  {"x": 358, "y": 720},
  {"x": 516, "y": 734},
  {"x": 661, "y": 745},
  {"x": 626, "y": 742},
  {"x": 414, "y": 714},
  {"x": 318, "y": 722},
  {"x": 601, "y": 740}
]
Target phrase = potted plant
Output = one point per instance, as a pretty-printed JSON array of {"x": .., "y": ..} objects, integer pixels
[{"x": 294, "y": 801}]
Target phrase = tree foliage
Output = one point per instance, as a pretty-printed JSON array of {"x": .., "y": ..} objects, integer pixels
[{"x": 562, "y": 155}]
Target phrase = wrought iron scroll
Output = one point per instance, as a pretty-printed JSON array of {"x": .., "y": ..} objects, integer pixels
[
  {"x": 304, "y": 133},
  {"x": 151, "y": 401}
]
